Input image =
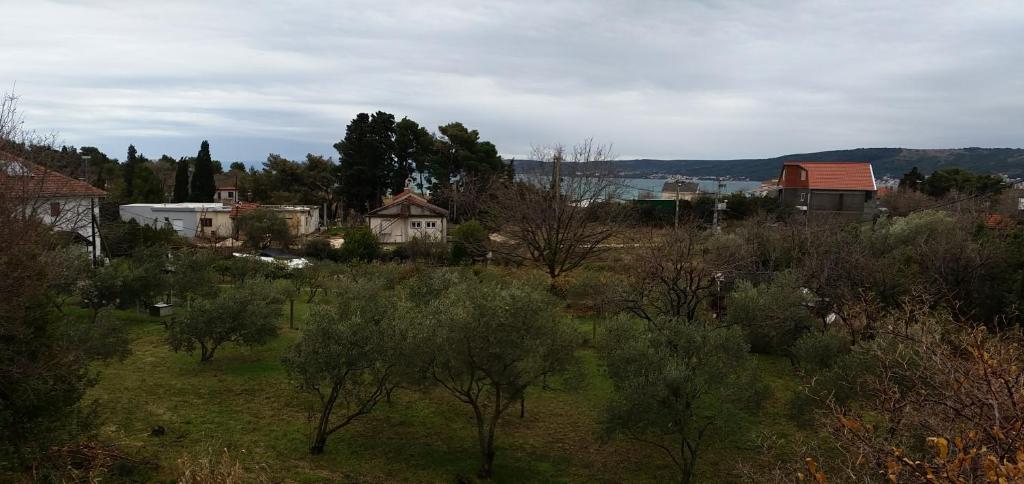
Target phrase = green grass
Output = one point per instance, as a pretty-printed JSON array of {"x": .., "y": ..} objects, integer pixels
[{"x": 242, "y": 401}]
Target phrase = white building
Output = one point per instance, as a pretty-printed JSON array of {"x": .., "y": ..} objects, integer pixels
[
  {"x": 187, "y": 219},
  {"x": 408, "y": 216},
  {"x": 68, "y": 205}
]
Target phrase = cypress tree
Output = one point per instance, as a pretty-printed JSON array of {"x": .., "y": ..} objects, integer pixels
[
  {"x": 181, "y": 181},
  {"x": 202, "y": 187},
  {"x": 128, "y": 172}
]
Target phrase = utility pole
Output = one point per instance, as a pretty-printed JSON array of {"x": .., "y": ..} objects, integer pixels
[
  {"x": 718, "y": 207},
  {"x": 677, "y": 204},
  {"x": 556, "y": 183}
]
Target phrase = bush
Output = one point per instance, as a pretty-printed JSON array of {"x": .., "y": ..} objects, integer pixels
[
  {"x": 318, "y": 249},
  {"x": 262, "y": 227},
  {"x": 360, "y": 245},
  {"x": 773, "y": 315},
  {"x": 816, "y": 351},
  {"x": 246, "y": 316},
  {"x": 469, "y": 242},
  {"x": 425, "y": 250}
]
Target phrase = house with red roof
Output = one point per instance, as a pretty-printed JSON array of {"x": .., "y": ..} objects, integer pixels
[
  {"x": 408, "y": 216},
  {"x": 845, "y": 189},
  {"x": 70, "y": 206}
]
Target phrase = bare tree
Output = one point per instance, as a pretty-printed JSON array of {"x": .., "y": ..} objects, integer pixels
[
  {"x": 676, "y": 273},
  {"x": 561, "y": 219}
]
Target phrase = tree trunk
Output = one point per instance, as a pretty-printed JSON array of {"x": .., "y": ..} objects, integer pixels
[
  {"x": 320, "y": 439},
  {"x": 291, "y": 313},
  {"x": 522, "y": 405}
]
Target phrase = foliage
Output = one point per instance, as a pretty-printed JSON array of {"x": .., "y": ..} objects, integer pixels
[
  {"x": 674, "y": 277},
  {"x": 318, "y": 249},
  {"x": 262, "y": 227},
  {"x": 207, "y": 469},
  {"x": 202, "y": 186},
  {"x": 192, "y": 274},
  {"x": 45, "y": 356},
  {"x": 360, "y": 245},
  {"x": 676, "y": 388},
  {"x": 181, "y": 181},
  {"x": 911, "y": 180},
  {"x": 123, "y": 238},
  {"x": 942, "y": 400},
  {"x": 942, "y": 182},
  {"x": 426, "y": 250},
  {"x": 365, "y": 164},
  {"x": 246, "y": 316},
  {"x": 348, "y": 354},
  {"x": 139, "y": 279},
  {"x": 469, "y": 242},
  {"x": 488, "y": 342},
  {"x": 773, "y": 315}
]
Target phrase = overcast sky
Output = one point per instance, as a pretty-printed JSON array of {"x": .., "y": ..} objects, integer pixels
[{"x": 672, "y": 79}]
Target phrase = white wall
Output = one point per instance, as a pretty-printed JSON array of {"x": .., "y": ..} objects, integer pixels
[{"x": 73, "y": 214}]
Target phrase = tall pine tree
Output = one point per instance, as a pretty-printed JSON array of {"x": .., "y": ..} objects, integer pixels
[
  {"x": 181, "y": 181},
  {"x": 202, "y": 187},
  {"x": 128, "y": 172},
  {"x": 367, "y": 160}
]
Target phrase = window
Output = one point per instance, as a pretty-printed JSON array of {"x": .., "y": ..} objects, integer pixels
[
  {"x": 803, "y": 197},
  {"x": 231, "y": 195},
  {"x": 803, "y": 175},
  {"x": 206, "y": 222},
  {"x": 55, "y": 209},
  {"x": 416, "y": 224},
  {"x": 431, "y": 225}
]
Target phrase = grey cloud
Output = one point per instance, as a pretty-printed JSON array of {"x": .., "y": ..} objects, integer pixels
[{"x": 707, "y": 79}]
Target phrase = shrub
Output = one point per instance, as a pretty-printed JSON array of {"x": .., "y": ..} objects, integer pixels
[
  {"x": 246, "y": 316},
  {"x": 469, "y": 242},
  {"x": 816, "y": 351},
  {"x": 317, "y": 249},
  {"x": 262, "y": 227},
  {"x": 360, "y": 245}
]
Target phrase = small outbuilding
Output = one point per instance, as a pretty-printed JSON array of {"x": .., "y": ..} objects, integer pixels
[{"x": 161, "y": 309}]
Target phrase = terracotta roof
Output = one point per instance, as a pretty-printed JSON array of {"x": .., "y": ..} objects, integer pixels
[
  {"x": 827, "y": 175},
  {"x": 20, "y": 177},
  {"x": 243, "y": 207},
  {"x": 410, "y": 197}
]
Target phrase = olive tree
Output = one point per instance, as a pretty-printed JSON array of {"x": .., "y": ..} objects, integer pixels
[
  {"x": 489, "y": 341},
  {"x": 675, "y": 387},
  {"x": 246, "y": 316},
  {"x": 349, "y": 356}
]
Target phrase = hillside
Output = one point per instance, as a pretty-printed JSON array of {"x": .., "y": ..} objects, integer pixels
[{"x": 886, "y": 162}]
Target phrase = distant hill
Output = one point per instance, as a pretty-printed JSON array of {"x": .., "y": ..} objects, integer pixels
[{"x": 892, "y": 162}]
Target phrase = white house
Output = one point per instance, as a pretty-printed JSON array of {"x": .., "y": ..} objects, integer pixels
[
  {"x": 187, "y": 219},
  {"x": 302, "y": 219},
  {"x": 68, "y": 205},
  {"x": 408, "y": 216}
]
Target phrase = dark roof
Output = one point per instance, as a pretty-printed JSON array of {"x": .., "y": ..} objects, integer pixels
[
  {"x": 834, "y": 175},
  {"x": 409, "y": 197},
  {"x": 22, "y": 178}
]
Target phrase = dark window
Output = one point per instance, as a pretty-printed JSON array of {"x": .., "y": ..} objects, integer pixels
[
  {"x": 231, "y": 195},
  {"x": 55, "y": 209},
  {"x": 206, "y": 222}
]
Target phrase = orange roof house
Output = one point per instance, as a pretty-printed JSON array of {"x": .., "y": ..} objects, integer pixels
[
  {"x": 68, "y": 205},
  {"x": 839, "y": 188}
]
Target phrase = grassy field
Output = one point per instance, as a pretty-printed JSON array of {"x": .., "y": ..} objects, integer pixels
[{"x": 241, "y": 401}]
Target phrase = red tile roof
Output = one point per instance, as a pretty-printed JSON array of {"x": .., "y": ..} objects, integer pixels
[
  {"x": 829, "y": 175},
  {"x": 408, "y": 196},
  {"x": 241, "y": 208},
  {"x": 22, "y": 178}
]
